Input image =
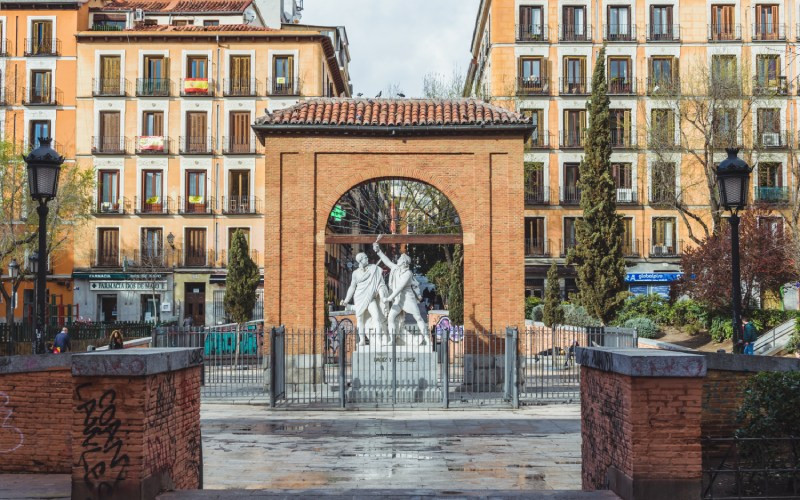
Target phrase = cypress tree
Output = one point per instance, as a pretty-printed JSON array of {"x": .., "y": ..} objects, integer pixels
[
  {"x": 241, "y": 282},
  {"x": 597, "y": 255},
  {"x": 455, "y": 299},
  {"x": 552, "y": 314}
]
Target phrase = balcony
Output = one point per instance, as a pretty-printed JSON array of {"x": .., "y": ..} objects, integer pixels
[
  {"x": 536, "y": 247},
  {"x": 627, "y": 196},
  {"x": 152, "y": 145},
  {"x": 281, "y": 86},
  {"x": 197, "y": 257},
  {"x": 39, "y": 96},
  {"x": 773, "y": 140},
  {"x": 153, "y": 258},
  {"x": 566, "y": 246},
  {"x": 727, "y": 139},
  {"x": 238, "y": 87},
  {"x": 619, "y": 32},
  {"x": 109, "y": 145},
  {"x": 108, "y": 87},
  {"x": 724, "y": 32},
  {"x": 106, "y": 257},
  {"x": 240, "y": 205},
  {"x": 570, "y": 195},
  {"x": 663, "y": 87},
  {"x": 197, "y": 87},
  {"x": 662, "y": 198},
  {"x": 762, "y": 86},
  {"x": 571, "y": 139},
  {"x": 155, "y": 205},
  {"x": 572, "y": 33},
  {"x": 621, "y": 86},
  {"x": 533, "y": 33},
  {"x": 578, "y": 85},
  {"x": 4, "y": 47},
  {"x": 663, "y": 32},
  {"x": 153, "y": 87},
  {"x": 539, "y": 140},
  {"x": 196, "y": 205},
  {"x": 765, "y": 32},
  {"x": 623, "y": 139},
  {"x": 537, "y": 195},
  {"x": 110, "y": 208},
  {"x": 37, "y": 47},
  {"x": 672, "y": 248},
  {"x": 772, "y": 195},
  {"x": 240, "y": 145},
  {"x": 533, "y": 86},
  {"x": 222, "y": 261},
  {"x": 196, "y": 145},
  {"x": 631, "y": 248}
]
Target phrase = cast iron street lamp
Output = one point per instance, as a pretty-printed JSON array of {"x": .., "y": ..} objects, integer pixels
[
  {"x": 13, "y": 269},
  {"x": 733, "y": 178},
  {"x": 44, "y": 166}
]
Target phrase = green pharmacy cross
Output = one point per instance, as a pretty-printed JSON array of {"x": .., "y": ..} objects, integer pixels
[{"x": 338, "y": 213}]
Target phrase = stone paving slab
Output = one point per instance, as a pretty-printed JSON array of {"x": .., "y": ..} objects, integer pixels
[
  {"x": 388, "y": 494},
  {"x": 25, "y": 486},
  {"x": 533, "y": 448}
]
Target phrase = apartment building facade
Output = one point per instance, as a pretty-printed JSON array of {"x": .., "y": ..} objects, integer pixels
[
  {"x": 165, "y": 112},
  {"x": 38, "y": 58},
  {"x": 538, "y": 56}
]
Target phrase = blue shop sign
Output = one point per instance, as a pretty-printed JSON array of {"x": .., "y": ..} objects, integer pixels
[{"x": 652, "y": 277}]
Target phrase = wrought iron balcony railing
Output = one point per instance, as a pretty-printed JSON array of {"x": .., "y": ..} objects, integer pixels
[
  {"x": 154, "y": 205},
  {"x": 577, "y": 85},
  {"x": 627, "y": 196},
  {"x": 196, "y": 145},
  {"x": 537, "y": 247},
  {"x": 281, "y": 86},
  {"x": 722, "y": 32},
  {"x": 619, "y": 32},
  {"x": 621, "y": 86},
  {"x": 240, "y": 87},
  {"x": 572, "y": 139},
  {"x": 533, "y": 85},
  {"x": 575, "y": 33},
  {"x": 240, "y": 205},
  {"x": 663, "y": 32},
  {"x": 109, "y": 145},
  {"x": 153, "y": 87},
  {"x": 533, "y": 33},
  {"x": 570, "y": 195},
  {"x": 769, "y": 32},
  {"x": 196, "y": 205},
  {"x": 537, "y": 195},
  {"x": 108, "y": 87},
  {"x": 42, "y": 47},
  {"x": 669, "y": 248},
  {"x": 772, "y": 195}
]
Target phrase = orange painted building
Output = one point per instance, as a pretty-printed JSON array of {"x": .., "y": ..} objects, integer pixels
[
  {"x": 37, "y": 99},
  {"x": 537, "y": 57}
]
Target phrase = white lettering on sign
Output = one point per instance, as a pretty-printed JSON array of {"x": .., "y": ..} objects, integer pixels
[{"x": 128, "y": 285}]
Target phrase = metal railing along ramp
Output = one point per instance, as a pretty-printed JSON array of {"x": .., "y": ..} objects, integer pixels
[{"x": 774, "y": 341}]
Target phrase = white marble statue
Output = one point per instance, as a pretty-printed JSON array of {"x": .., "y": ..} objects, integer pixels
[
  {"x": 367, "y": 290},
  {"x": 405, "y": 295}
]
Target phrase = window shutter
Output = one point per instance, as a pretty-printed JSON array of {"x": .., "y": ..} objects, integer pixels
[
  {"x": 626, "y": 125},
  {"x": 158, "y": 124}
]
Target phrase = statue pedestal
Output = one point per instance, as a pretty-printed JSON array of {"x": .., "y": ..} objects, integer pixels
[{"x": 405, "y": 374}]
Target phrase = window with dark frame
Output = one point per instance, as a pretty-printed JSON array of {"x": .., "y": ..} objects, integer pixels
[{"x": 534, "y": 236}]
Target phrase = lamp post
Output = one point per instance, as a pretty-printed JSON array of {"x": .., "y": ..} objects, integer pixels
[
  {"x": 44, "y": 167},
  {"x": 733, "y": 178}
]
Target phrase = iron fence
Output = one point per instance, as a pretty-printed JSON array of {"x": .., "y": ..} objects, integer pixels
[
  {"x": 753, "y": 468},
  {"x": 17, "y": 339},
  {"x": 447, "y": 368}
]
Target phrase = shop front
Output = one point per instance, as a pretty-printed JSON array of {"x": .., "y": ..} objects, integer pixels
[
  {"x": 657, "y": 283},
  {"x": 114, "y": 297}
]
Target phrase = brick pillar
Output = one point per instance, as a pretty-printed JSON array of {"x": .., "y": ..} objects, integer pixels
[
  {"x": 136, "y": 423},
  {"x": 640, "y": 422}
]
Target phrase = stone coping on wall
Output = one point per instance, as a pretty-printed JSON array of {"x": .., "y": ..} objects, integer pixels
[
  {"x": 34, "y": 363},
  {"x": 642, "y": 363},
  {"x": 744, "y": 363},
  {"x": 135, "y": 362}
]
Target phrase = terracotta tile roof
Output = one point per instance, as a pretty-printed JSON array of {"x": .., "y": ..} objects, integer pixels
[
  {"x": 392, "y": 114},
  {"x": 163, "y": 28},
  {"x": 179, "y": 6}
]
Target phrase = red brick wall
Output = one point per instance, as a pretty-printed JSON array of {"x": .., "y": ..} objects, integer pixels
[
  {"x": 482, "y": 176},
  {"x": 722, "y": 396},
  {"x": 135, "y": 434},
  {"x": 648, "y": 428},
  {"x": 35, "y": 427}
]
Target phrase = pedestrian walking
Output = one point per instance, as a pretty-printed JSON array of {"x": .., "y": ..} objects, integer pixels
[
  {"x": 750, "y": 335},
  {"x": 116, "y": 341},
  {"x": 62, "y": 342}
]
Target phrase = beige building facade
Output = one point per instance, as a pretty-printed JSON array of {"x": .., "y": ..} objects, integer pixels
[{"x": 537, "y": 57}]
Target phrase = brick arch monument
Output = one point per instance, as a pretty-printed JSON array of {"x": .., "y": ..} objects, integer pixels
[{"x": 319, "y": 149}]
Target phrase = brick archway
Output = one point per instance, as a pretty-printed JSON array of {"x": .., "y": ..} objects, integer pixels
[{"x": 477, "y": 164}]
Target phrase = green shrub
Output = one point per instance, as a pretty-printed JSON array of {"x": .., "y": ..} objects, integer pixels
[
  {"x": 794, "y": 341},
  {"x": 720, "y": 329},
  {"x": 767, "y": 319},
  {"x": 530, "y": 303},
  {"x": 537, "y": 312},
  {"x": 693, "y": 328},
  {"x": 771, "y": 405},
  {"x": 650, "y": 306},
  {"x": 688, "y": 312},
  {"x": 577, "y": 316},
  {"x": 645, "y": 327}
]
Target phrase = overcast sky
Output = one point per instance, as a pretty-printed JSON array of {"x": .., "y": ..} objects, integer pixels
[{"x": 399, "y": 41}]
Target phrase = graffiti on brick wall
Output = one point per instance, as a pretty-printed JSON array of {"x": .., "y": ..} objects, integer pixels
[
  {"x": 195, "y": 451},
  {"x": 161, "y": 450},
  {"x": 102, "y": 457},
  {"x": 11, "y": 438}
]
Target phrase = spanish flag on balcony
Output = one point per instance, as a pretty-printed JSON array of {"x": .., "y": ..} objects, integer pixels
[
  {"x": 151, "y": 143},
  {"x": 195, "y": 86}
]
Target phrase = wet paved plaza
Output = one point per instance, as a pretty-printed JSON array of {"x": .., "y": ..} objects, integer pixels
[{"x": 253, "y": 447}]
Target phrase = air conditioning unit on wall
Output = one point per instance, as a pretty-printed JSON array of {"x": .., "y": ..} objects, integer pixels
[{"x": 770, "y": 139}]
